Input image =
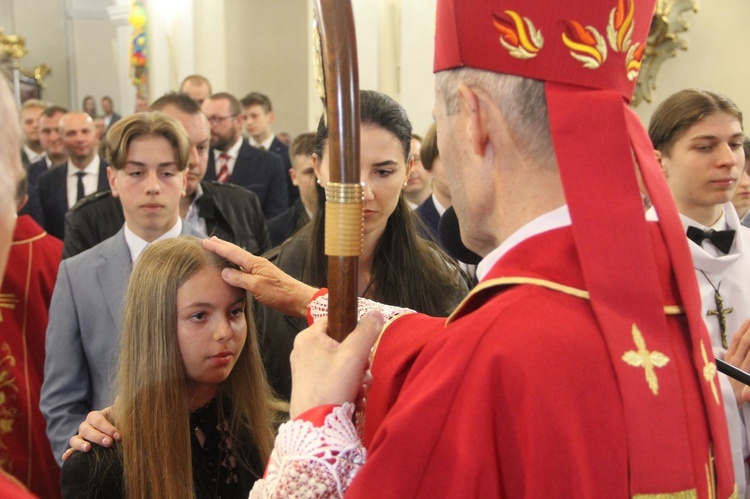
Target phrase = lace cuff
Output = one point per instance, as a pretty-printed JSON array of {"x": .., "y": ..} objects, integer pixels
[
  {"x": 318, "y": 308},
  {"x": 310, "y": 461}
]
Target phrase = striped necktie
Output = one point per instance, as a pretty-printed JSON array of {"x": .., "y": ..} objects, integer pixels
[{"x": 223, "y": 175}]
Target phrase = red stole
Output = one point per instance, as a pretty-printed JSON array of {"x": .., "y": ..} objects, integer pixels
[{"x": 24, "y": 304}]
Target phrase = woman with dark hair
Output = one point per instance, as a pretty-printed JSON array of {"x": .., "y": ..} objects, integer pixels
[
  {"x": 698, "y": 136},
  {"x": 89, "y": 106},
  {"x": 397, "y": 266},
  {"x": 194, "y": 408}
]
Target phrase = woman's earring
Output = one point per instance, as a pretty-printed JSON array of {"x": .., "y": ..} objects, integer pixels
[{"x": 318, "y": 181}]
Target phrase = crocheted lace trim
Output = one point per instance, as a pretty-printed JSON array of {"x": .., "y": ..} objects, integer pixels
[
  {"x": 319, "y": 308},
  {"x": 311, "y": 461}
]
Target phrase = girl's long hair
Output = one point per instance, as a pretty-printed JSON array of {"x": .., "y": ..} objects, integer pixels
[
  {"x": 407, "y": 270},
  {"x": 153, "y": 408}
]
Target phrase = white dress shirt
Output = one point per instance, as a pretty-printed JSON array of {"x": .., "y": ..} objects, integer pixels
[
  {"x": 193, "y": 217},
  {"x": 266, "y": 144},
  {"x": 233, "y": 152},
  {"x": 136, "y": 244},
  {"x": 90, "y": 179}
]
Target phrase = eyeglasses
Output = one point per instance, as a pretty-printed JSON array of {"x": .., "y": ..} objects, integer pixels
[{"x": 214, "y": 120}]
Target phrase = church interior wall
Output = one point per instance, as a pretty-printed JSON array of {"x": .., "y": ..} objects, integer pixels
[{"x": 245, "y": 45}]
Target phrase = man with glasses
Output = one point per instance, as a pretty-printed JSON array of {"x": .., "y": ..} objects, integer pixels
[{"x": 235, "y": 161}]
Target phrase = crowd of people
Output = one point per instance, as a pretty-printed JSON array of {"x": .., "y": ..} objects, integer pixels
[{"x": 165, "y": 302}]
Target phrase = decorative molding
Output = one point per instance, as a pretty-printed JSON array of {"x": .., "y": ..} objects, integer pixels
[
  {"x": 119, "y": 14},
  {"x": 663, "y": 43},
  {"x": 88, "y": 13}
]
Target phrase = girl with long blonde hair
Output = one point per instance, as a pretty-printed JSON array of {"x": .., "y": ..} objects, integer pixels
[{"x": 193, "y": 405}]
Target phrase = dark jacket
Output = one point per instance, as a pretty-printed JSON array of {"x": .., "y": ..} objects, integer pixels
[
  {"x": 52, "y": 189},
  {"x": 33, "y": 206},
  {"x": 261, "y": 172},
  {"x": 281, "y": 227},
  {"x": 231, "y": 213},
  {"x": 431, "y": 220},
  {"x": 276, "y": 331},
  {"x": 282, "y": 150}
]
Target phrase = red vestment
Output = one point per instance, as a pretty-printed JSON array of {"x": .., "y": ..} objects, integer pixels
[
  {"x": 25, "y": 296},
  {"x": 517, "y": 396}
]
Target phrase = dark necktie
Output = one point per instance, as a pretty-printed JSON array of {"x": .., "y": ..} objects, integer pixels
[
  {"x": 81, "y": 193},
  {"x": 722, "y": 239}
]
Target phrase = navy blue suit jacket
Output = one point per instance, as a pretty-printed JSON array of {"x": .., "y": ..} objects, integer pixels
[
  {"x": 33, "y": 207},
  {"x": 278, "y": 147},
  {"x": 431, "y": 218},
  {"x": 261, "y": 172},
  {"x": 115, "y": 118},
  {"x": 52, "y": 189}
]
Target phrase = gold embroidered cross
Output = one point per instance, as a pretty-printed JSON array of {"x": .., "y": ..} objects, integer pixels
[
  {"x": 721, "y": 314},
  {"x": 646, "y": 359},
  {"x": 709, "y": 372},
  {"x": 7, "y": 300}
]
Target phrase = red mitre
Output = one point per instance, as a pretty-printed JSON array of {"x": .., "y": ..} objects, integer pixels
[{"x": 589, "y": 53}]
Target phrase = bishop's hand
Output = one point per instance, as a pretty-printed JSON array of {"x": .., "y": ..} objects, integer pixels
[
  {"x": 325, "y": 371},
  {"x": 267, "y": 283}
]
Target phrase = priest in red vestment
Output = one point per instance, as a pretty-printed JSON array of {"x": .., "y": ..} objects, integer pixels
[
  {"x": 25, "y": 295},
  {"x": 580, "y": 365},
  {"x": 11, "y": 174}
]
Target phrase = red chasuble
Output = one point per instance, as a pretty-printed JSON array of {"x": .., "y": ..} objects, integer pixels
[
  {"x": 516, "y": 394},
  {"x": 25, "y": 296}
]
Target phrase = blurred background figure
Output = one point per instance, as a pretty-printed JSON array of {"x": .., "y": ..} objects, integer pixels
[
  {"x": 419, "y": 187},
  {"x": 54, "y": 154},
  {"x": 259, "y": 118},
  {"x": 109, "y": 115},
  {"x": 741, "y": 198},
  {"x": 197, "y": 87},
  {"x": 302, "y": 175},
  {"x": 32, "y": 150},
  {"x": 141, "y": 104},
  {"x": 284, "y": 137},
  {"x": 84, "y": 173},
  {"x": 89, "y": 106}
]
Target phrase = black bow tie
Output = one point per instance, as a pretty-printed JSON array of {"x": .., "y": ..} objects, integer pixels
[{"x": 722, "y": 239}]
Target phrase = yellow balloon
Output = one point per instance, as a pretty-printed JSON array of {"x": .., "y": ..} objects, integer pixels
[{"x": 138, "y": 16}]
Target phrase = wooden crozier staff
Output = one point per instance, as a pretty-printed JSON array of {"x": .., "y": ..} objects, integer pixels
[{"x": 344, "y": 193}]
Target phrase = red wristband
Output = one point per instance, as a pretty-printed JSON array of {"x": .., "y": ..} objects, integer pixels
[
  {"x": 317, "y": 415},
  {"x": 320, "y": 292}
]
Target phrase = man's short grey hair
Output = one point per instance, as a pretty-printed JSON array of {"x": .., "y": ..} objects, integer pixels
[{"x": 521, "y": 100}]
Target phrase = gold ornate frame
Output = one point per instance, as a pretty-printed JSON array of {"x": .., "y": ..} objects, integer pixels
[
  {"x": 663, "y": 43},
  {"x": 26, "y": 84}
]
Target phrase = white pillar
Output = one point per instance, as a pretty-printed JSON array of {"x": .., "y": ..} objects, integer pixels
[
  {"x": 417, "y": 54},
  {"x": 171, "y": 44},
  {"x": 211, "y": 43},
  {"x": 119, "y": 14}
]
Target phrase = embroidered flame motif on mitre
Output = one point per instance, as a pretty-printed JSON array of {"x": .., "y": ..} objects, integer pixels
[
  {"x": 620, "y": 33},
  {"x": 633, "y": 60},
  {"x": 518, "y": 35},
  {"x": 620, "y": 27},
  {"x": 586, "y": 44}
]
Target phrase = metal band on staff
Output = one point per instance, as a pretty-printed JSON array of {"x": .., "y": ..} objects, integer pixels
[{"x": 344, "y": 219}]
